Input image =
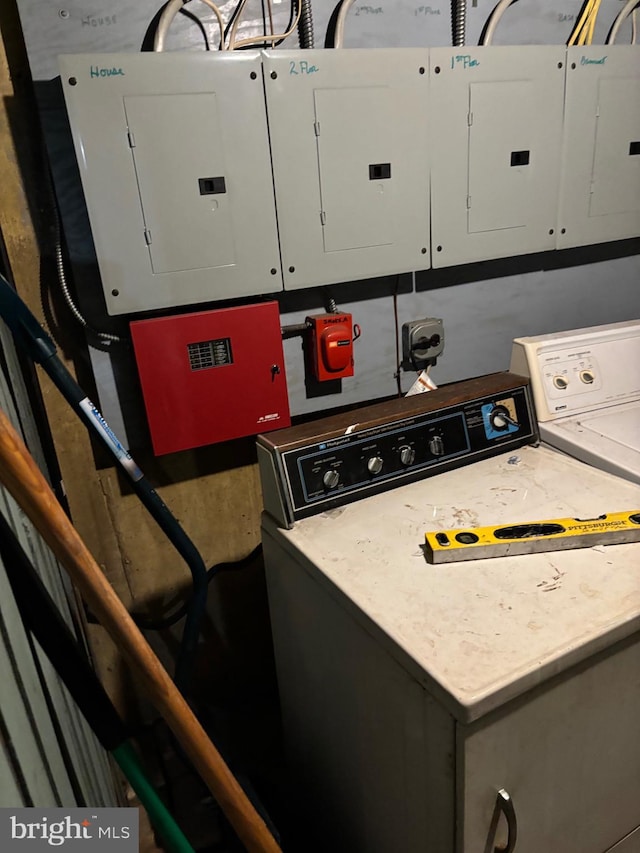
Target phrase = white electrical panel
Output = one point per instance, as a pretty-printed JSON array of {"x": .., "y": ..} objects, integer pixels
[
  {"x": 350, "y": 162},
  {"x": 600, "y": 186},
  {"x": 495, "y": 148},
  {"x": 173, "y": 151}
]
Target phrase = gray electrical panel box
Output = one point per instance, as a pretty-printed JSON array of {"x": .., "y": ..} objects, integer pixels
[
  {"x": 173, "y": 151},
  {"x": 350, "y": 162},
  {"x": 496, "y": 131},
  {"x": 600, "y": 186}
]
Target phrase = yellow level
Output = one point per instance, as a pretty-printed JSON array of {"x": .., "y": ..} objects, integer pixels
[{"x": 531, "y": 537}]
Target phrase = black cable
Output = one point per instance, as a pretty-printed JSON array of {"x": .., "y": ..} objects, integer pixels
[
  {"x": 149, "y": 36},
  {"x": 264, "y": 21},
  {"x": 147, "y": 624},
  {"x": 232, "y": 18},
  {"x": 42, "y": 618},
  {"x": 265, "y": 44},
  {"x": 294, "y": 12},
  {"x": 330, "y": 34}
]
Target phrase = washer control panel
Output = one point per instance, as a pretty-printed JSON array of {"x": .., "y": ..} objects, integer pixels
[
  {"x": 567, "y": 374},
  {"x": 317, "y": 466},
  {"x": 580, "y": 371}
]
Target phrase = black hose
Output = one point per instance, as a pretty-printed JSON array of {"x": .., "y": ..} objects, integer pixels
[
  {"x": 30, "y": 336},
  {"x": 147, "y": 624}
]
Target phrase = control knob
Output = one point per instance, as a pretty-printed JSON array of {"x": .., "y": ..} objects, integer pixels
[
  {"x": 587, "y": 376},
  {"x": 407, "y": 455},
  {"x": 436, "y": 445},
  {"x": 499, "y": 418},
  {"x": 374, "y": 465},
  {"x": 560, "y": 382},
  {"x": 331, "y": 478}
]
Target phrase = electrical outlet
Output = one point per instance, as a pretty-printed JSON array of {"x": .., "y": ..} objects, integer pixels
[{"x": 422, "y": 343}]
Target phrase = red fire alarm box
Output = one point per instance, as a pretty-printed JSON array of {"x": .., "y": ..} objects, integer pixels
[
  {"x": 331, "y": 345},
  {"x": 212, "y": 376}
]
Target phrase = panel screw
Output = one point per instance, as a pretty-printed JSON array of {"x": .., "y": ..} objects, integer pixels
[
  {"x": 550, "y": 230},
  {"x": 424, "y": 251},
  {"x": 115, "y": 292},
  {"x": 563, "y": 230},
  {"x": 421, "y": 69},
  {"x": 63, "y": 13},
  {"x": 292, "y": 269},
  {"x": 438, "y": 248},
  {"x": 559, "y": 65},
  {"x": 573, "y": 65},
  {"x": 72, "y": 81},
  {"x": 274, "y": 74},
  {"x": 273, "y": 270},
  {"x": 436, "y": 69},
  {"x": 253, "y": 75}
]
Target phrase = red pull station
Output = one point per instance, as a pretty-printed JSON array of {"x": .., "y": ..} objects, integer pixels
[{"x": 331, "y": 345}]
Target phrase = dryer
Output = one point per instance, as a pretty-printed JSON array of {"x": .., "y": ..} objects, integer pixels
[{"x": 451, "y": 708}]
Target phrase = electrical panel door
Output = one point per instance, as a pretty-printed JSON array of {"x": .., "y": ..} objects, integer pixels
[
  {"x": 187, "y": 227},
  {"x": 350, "y": 162},
  {"x": 173, "y": 151},
  {"x": 600, "y": 188},
  {"x": 500, "y": 167},
  {"x": 616, "y": 164},
  {"x": 496, "y": 131},
  {"x": 357, "y": 205}
]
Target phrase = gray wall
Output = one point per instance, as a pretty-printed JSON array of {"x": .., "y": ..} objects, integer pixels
[{"x": 483, "y": 306}]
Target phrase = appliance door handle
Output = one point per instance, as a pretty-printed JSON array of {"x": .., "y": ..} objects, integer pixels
[{"x": 504, "y": 804}]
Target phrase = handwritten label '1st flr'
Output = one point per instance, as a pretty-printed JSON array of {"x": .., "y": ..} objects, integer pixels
[{"x": 465, "y": 60}]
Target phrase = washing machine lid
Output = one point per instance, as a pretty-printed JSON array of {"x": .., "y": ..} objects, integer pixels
[
  {"x": 479, "y": 633},
  {"x": 608, "y": 438},
  {"x": 621, "y": 427}
]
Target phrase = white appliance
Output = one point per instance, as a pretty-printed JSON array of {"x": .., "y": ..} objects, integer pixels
[
  {"x": 586, "y": 390},
  {"x": 453, "y": 708}
]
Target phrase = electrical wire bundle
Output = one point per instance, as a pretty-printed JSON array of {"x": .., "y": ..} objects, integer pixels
[
  {"x": 583, "y": 31},
  {"x": 300, "y": 16},
  {"x": 630, "y": 8},
  {"x": 493, "y": 21}
]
